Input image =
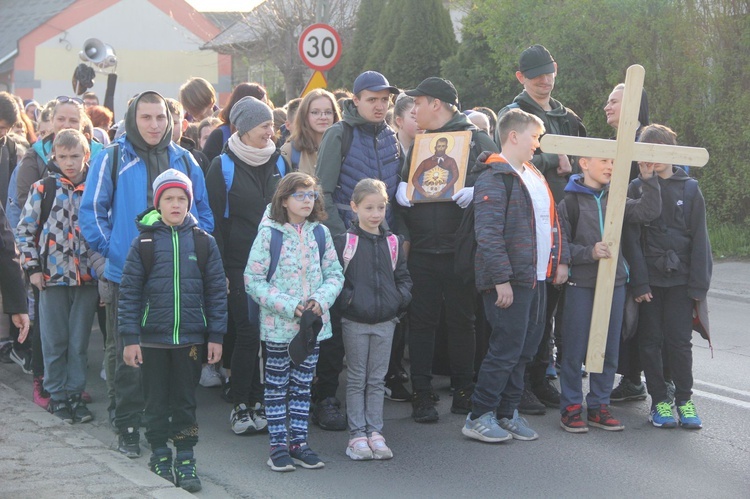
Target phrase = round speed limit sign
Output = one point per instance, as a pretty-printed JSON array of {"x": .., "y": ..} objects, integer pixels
[{"x": 320, "y": 47}]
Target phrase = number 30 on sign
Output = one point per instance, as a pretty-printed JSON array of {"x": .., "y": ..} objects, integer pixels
[{"x": 320, "y": 47}]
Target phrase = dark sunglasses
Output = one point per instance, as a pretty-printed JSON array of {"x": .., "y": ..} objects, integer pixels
[{"x": 64, "y": 99}]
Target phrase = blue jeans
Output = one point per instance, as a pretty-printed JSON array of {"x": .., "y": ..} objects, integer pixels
[
  {"x": 66, "y": 314},
  {"x": 516, "y": 332},
  {"x": 579, "y": 303}
]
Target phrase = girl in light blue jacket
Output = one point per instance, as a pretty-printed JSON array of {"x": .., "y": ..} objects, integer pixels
[{"x": 292, "y": 267}]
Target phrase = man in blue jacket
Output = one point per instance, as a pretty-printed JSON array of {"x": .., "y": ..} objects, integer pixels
[{"x": 119, "y": 188}]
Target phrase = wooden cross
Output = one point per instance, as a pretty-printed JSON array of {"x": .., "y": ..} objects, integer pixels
[{"x": 624, "y": 150}]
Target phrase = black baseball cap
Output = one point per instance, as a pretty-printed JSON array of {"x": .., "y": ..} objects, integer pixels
[
  {"x": 536, "y": 60},
  {"x": 437, "y": 88}
]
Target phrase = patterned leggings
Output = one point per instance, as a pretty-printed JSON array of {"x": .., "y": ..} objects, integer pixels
[{"x": 287, "y": 390}]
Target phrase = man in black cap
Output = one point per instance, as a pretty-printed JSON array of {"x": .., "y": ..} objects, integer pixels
[
  {"x": 360, "y": 146},
  {"x": 536, "y": 72},
  {"x": 431, "y": 262}
]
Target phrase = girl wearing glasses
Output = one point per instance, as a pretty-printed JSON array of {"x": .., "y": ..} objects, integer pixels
[
  {"x": 306, "y": 277},
  {"x": 317, "y": 111}
]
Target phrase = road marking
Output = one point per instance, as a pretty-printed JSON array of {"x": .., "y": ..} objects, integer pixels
[
  {"x": 722, "y": 398},
  {"x": 722, "y": 387}
]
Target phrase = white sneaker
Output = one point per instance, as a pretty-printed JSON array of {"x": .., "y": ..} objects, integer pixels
[
  {"x": 242, "y": 421},
  {"x": 258, "y": 415},
  {"x": 379, "y": 449},
  {"x": 359, "y": 449},
  {"x": 210, "y": 377}
]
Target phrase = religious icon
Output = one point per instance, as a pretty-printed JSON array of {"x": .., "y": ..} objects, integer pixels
[{"x": 438, "y": 166}]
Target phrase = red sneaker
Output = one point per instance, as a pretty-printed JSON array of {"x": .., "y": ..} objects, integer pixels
[
  {"x": 601, "y": 418},
  {"x": 41, "y": 396},
  {"x": 571, "y": 420}
]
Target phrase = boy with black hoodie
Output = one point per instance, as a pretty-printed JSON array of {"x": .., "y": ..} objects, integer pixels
[
  {"x": 677, "y": 254},
  {"x": 172, "y": 295},
  {"x": 582, "y": 213}
]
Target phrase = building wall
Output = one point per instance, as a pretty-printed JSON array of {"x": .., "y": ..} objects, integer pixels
[{"x": 155, "y": 51}]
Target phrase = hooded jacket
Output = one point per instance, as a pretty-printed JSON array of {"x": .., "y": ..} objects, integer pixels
[
  {"x": 506, "y": 238},
  {"x": 373, "y": 154},
  {"x": 592, "y": 209},
  {"x": 676, "y": 250},
  {"x": 107, "y": 215},
  {"x": 60, "y": 253},
  {"x": 175, "y": 304},
  {"x": 12, "y": 286},
  {"x": 557, "y": 121},
  {"x": 373, "y": 291},
  {"x": 431, "y": 227},
  {"x": 300, "y": 276}
]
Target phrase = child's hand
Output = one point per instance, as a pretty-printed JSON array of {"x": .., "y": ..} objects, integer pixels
[
  {"x": 647, "y": 170},
  {"x": 600, "y": 250},
  {"x": 504, "y": 295},
  {"x": 37, "y": 280},
  {"x": 315, "y": 307},
  {"x": 21, "y": 321},
  {"x": 132, "y": 355},
  {"x": 563, "y": 165},
  {"x": 298, "y": 311},
  {"x": 561, "y": 276},
  {"x": 645, "y": 297},
  {"x": 214, "y": 352}
]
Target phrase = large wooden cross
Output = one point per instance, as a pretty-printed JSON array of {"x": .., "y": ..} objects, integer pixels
[{"x": 624, "y": 151}]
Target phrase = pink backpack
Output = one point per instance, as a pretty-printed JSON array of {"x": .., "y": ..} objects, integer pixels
[{"x": 352, "y": 241}]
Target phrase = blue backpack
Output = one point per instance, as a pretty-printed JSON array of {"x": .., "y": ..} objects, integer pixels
[{"x": 227, "y": 169}]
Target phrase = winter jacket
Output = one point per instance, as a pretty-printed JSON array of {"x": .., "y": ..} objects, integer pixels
[
  {"x": 61, "y": 253},
  {"x": 175, "y": 304},
  {"x": 300, "y": 276},
  {"x": 558, "y": 121},
  {"x": 373, "y": 154},
  {"x": 676, "y": 250},
  {"x": 252, "y": 190},
  {"x": 506, "y": 238},
  {"x": 589, "y": 229},
  {"x": 307, "y": 160},
  {"x": 108, "y": 215},
  {"x": 12, "y": 285},
  {"x": 33, "y": 166},
  {"x": 10, "y": 149},
  {"x": 373, "y": 291},
  {"x": 431, "y": 227}
]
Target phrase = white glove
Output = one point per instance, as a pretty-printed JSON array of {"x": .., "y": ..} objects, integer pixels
[
  {"x": 401, "y": 195},
  {"x": 464, "y": 197}
]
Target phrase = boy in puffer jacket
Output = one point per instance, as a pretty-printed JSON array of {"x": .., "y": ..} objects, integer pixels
[
  {"x": 172, "y": 295},
  {"x": 61, "y": 265}
]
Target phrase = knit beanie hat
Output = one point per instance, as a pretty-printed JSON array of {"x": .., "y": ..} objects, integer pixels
[
  {"x": 249, "y": 112},
  {"x": 172, "y": 178}
]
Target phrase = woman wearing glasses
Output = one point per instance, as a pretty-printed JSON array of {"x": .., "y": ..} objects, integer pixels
[
  {"x": 317, "y": 111},
  {"x": 241, "y": 183}
]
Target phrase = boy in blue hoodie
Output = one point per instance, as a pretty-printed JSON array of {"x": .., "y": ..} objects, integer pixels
[
  {"x": 582, "y": 213},
  {"x": 172, "y": 295}
]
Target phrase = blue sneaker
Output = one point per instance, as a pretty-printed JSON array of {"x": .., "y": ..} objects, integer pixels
[
  {"x": 518, "y": 427},
  {"x": 689, "y": 416},
  {"x": 661, "y": 415},
  {"x": 485, "y": 429}
]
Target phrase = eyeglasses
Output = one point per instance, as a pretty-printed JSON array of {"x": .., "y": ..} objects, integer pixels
[
  {"x": 64, "y": 99},
  {"x": 325, "y": 114},
  {"x": 301, "y": 196}
]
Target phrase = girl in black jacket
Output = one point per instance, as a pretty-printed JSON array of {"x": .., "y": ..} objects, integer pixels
[{"x": 376, "y": 291}]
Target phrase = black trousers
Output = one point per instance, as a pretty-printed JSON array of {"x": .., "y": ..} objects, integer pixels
[
  {"x": 435, "y": 283},
  {"x": 245, "y": 362},
  {"x": 170, "y": 376},
  {"x": 537, "y": 368},
  {"x": 330, "y": 361}
]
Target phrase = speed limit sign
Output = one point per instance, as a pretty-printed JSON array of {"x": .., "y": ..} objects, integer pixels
[{"x": 320, "y": 47}]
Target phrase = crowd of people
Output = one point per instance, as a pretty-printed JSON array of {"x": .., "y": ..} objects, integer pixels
[{"x": 253, "y": 247}]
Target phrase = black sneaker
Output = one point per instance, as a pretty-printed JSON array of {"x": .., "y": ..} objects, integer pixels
[
  {"x": 423, "y": 407},
  {"x": 627, "y": 390},
  {"x": 184, "y": 472},
  {"x": 530, "y": 405},
  {"x": 327, "y": 414},
  {"x": 547, "y": 394},
  {"x": 394, "y": 389},
  {"x": 399, "y": 372},
  {"x": 61, "y": 409},
  {"x": 128, "y": 442},
  {"x": 81, "y": 413},
  {"x": 462, "y": 400},
  {"x": 161, "y": 463},
  {"x": 22, "y": 358},
  {"x": 5, "y": 349}
]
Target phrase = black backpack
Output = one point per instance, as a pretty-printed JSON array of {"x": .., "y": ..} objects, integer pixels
[{"x": 466, "y": 241}]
